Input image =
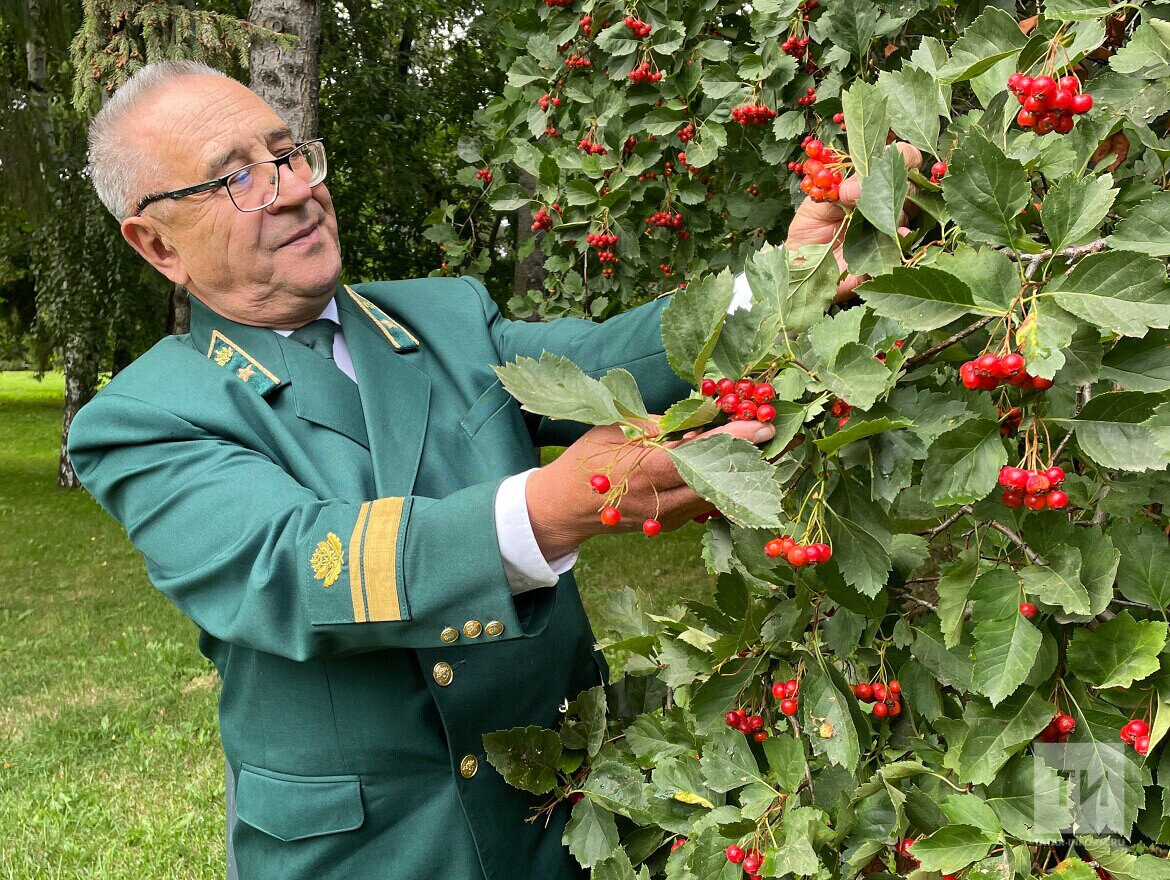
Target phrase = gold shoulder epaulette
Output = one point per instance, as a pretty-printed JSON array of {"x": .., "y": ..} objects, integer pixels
[
  {"x": 231, "y": 357},
  {"x": 401, "y": 338}
]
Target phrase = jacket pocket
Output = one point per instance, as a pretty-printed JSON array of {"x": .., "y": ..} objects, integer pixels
[
  {"x": 295, "y": 807},
  {"x": 493, "y": 399}
]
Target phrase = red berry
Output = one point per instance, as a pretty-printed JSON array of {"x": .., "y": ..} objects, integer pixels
[
  {"x": 760, "y": 735},
  {"x": 735, "y": 854},
  {"x": 1012, "y": 363},
  {"x": 774, "y": 548},
  {"x": 708, "y": 388},
  {"x": 895, "y": 708},
  {"x": 1082, "y": 103},
  {"x": 600, "y": 483},
  {"x": 765, "y": 412},
  {"x": 1056, "y": 500},
  {"x": 732, "y": 719},
  {"x": 812, "y": 553},
  {"x": 751, "y": 862},
  {"x": 1055, "y": 475},
  {"x": 744, "y": 727},
  {"x": 1026, "y": 119},
  {"x": 680, "y": 841},
  {"x": 788, "y": 706},
  {"x": 746, "y": 411},
  {"x": 610, "y": 516},
  {"x": 1142, "y": 745},
  {"x": 895, "y": 687},
  {"x": 726, "y": 386},
  {"x": 764, "y": 393},
  {"x": 756, "y": 722},
  {"x": 651, "y": 527},
  {"x": 1037, "y": 483},
  {"x": 1137, "y": 727},
  {"x": 1012, "y": 477},
  {"x": 879, "y": 692},
  {"x": 1013, "y": 81},
  {"x": 729, "y": 403},
  {"x": 798, "y": 556},
  {"x": 1069, "y": 83},
  {"x": 1028, "y": 610},
  {"x": 864, "y": 692},
  {"x": 1035, "y": 502},
  {"x": 987, "y": 364},
  {"x": 778, "y": 690},
  {"x": 1043, "y": 86},
  {"x": 1041, "y": 384},
  {"x": 791, "y": 687},
  {"x": 1013, "y": 497},
  {"x": 1066, "y": 724},
  {"x": 745, "y": 388},
  {"x": 939, "y": 169},
  {"x": 880, "y": 710}
]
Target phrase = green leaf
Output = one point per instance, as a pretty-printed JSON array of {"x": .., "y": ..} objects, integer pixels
[
  {"x": 525, "y": 756},
  {"x": 1004, "y": 653},
  {"x": 730, "y": 474},
  {"x": 556, "y": 387},
  {"x": 954, "y": 589},
  {"x": 859, "y": 430},
  {"x": 825, "y": 715},
  {"x": 584, "y": 724},
  {"x": 963, "y": 464},
  {"x": 985, "y": 189},
  {"x": 1077, "y": 10},
  {"x": 692, "y": 321},
  {"x": 993, "y": 738},
  {"x": 1147, "y": 53},
  {"x": 1074, "y": 207},
  {"x": 1043, "y": 336},
  {"x": 727, "y": 761},
  {"x": 952, "y": 848},
  {"x": 1144, "y": 571},
  {"x": 883, "y": 191},
  {"x": 797, "y": 306},
  {"x": 914, "y": 99},
  {"x": 1031, "y": 800},
  {"x": 1116, "y": 291},
  {"x": 1110, "y": 778},
  {"x": 1118, "y": 652},
  {"x": 786, "y": 761},
  {"x": 920, "y": 298},
  {"x": 866, "y": 120},
  {"x": 591, "y": 833},
  {"x": 855, "y": 375},
  {"x": 682, "y": 664},
  {"x": 615, "y": 867},
  {"x": 1109, "y": 430},
  {"x": 1147, "y": 227},
  {"x": 692, "y": 412},
  {"x": 852, "y": 25},
  {"x": 626, "y": 396},
  {"x": 991, "y": 38},
  {"x": 796, "y": 855},
  {"x": 861, "y": 539},
  {"x": 1059, "y": 582},
  {"x": 1139, "y": 364}
]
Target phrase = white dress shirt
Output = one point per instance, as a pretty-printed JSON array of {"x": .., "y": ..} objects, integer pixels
[{"x": 524, "y": 564}]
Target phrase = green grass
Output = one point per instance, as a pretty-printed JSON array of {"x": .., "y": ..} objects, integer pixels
[{"x": 110, "y": 763}]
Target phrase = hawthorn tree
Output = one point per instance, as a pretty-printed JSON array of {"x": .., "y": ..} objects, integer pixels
[{"x": 938, "y": 643}]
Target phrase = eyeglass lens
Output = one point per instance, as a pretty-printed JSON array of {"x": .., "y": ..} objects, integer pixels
[{"x": 255, "y": 187}]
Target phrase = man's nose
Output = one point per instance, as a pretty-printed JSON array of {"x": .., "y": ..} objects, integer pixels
[{"x": 293, "y": 190}]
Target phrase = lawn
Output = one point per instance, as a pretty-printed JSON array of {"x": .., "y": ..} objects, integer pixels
[{"x": 110, "y": 763}]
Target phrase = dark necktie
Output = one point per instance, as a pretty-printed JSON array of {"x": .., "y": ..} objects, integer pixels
[{"x": 317, "y": 335}]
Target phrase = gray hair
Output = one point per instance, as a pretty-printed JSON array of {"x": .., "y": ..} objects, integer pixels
[{"x": 118, "y": 167}]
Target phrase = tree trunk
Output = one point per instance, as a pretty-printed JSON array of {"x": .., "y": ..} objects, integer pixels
[
  {"x": 530, "y": 273},
  {"x": 288, "y": 78},
  {"x": 81, "y": 373},
  {"x": 34, "y": 47},
  {"x": 179, "y": 311}
]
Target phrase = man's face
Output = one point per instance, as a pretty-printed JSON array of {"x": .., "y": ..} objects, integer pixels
[{"x": 273, "y": 267}]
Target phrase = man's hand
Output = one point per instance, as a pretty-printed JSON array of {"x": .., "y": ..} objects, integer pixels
[
  {"x": 564, "y": 510},
  {"x": 820, "y": 222}
]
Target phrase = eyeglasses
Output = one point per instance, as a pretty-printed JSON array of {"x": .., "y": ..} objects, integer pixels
[{"x": 256, "y": 186}]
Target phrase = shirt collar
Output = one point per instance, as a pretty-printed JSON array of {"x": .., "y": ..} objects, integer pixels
[{"x": 330, "y": 313}]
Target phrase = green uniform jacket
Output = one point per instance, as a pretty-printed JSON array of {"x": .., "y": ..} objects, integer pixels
[{"x": 336, "y": 545}]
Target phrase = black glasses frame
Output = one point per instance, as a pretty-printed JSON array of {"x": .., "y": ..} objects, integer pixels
[{"x": 209, "y": 185}]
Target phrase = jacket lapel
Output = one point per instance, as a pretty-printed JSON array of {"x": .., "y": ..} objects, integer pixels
[{"x": 395, "y": 392}]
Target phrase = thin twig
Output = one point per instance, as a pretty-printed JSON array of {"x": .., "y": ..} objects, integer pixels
[
  {"x": 1033, "y": 557},
  {"x": 948, "y": 522},
  {"x": 922, "y": 602},
  {"x": 947, "y": 343},
  {"x": 1034, "y": 260}
]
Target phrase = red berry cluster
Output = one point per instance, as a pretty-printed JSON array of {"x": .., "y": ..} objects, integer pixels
[
  {"x": 743, "y": 400},
  {"x": 752, "y": 114},
  {"x": 748, "y": 725},
  {"x": 665, "y": 268},
  {"x": 821, "y": 180},
  {"x": 547, "y": 99},
  {"x": 485, "y": 175},
  {"x": 1137, "y": 734},
  {"x": 1009, "y": 422},
  {"x": 686, "y": 132},
  {"x": 642, "y": 73},
  {"x": 788, "y": 693},
  {"x": 840, "y": 410},
  {"x": 638, "y": 28},
  {"x": 938, "y": 171},
  {"x": 797, "y": 47},
  {"x": 541, "y": 220},
  {"x": 559, "y": 4},
  {"x": 1049, "y": 104},
  {"x": 809, "y": 97},
  {"x": 648, "y": 175},
  {"x": 886, "y": 698},
  {"x": 551, "y": 132},
  {"x": 751, "y": 859},
  {"x": 590, "y": 146},
  {"x": 665, "y": 220},
  {"x": 628, "y": 145},
  {"x": 1033, "y": 489},
  {"x": 1059, "y": 728},
  {"x": 753, "y": 190},
  {"x": 682, "y": 160},
  {"x": 604, "y": 242},
  {"x": 839, "y": 118},
  {"x": 575, "y": 61},
  {"x": 798, "y": 167},
  {"x": 798, "y": 554},
  {"x": 586, "y": 21},
  {"x": 987, "y": 371}
]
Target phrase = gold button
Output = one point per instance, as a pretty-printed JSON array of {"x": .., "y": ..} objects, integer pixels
[
  {"x": 494, "y": 628},
  {"x": 468, "y": 766},
  {"x": 472, "y": 629},
  {"x": 449, "y": 634},
  {"x": 442, "y": 673}
]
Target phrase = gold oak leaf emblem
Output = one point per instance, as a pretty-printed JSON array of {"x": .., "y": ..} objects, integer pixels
[
  {"x": 223, "y": 355},
  {"x": 246, "y": 372},
  {"x": 326, "y": 560}
]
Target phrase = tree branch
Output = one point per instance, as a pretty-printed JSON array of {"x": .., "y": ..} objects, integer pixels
[
  {"x": 947, "y": 343},
  {"x": 1031, "y": 554},
  {"x": 1034, "y": 260},
  {"x": 948, "y": 522}
]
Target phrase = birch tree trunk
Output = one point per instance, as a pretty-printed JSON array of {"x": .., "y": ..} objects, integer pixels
[{"x": 288, "y": 78}]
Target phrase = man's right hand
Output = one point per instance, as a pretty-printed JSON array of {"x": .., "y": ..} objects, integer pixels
[{"x": 563, "y": 509}]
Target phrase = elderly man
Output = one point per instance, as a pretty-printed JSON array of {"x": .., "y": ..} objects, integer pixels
[{"x": 332, "y": 483}]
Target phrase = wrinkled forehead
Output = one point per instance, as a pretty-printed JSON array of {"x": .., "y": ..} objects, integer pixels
[{"x": 201, "y": 127}]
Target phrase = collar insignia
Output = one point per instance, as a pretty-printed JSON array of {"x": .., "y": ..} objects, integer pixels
[
  {"x": 401, "y": 338},
  {"x": 227, "y": 354}
]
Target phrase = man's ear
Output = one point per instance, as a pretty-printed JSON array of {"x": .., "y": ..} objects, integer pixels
[{"x": 142, "y": 234}]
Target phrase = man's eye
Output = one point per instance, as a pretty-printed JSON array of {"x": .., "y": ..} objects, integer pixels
[{"x": 241, "y": 179}]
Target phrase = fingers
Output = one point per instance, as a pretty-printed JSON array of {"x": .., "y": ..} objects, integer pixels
[{"x": 910, "y": 154}]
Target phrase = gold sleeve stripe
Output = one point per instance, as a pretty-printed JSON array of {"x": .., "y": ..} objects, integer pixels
[
  {"x": 355, "y": 565},
  {"x": 379, "y": 553}
]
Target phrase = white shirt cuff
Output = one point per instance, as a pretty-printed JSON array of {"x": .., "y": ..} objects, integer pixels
[
  {"x": 742, "y": 296},
  {"x": 524, "y": 564}
]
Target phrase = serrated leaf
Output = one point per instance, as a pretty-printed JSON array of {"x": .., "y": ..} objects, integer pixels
[
  {"x": 1059, "y": 582},
  {"x": 1117, "y": 291},
  {"x": 1074, "y": 207},
  {"x": 859, "y": 430},
  {"x": 730, "y": 474},
  {"x": 692, "y": 412},
  {"x": 851, "y": 24},
  {"x": 883, "y": 191},
  {"x": 525, "y": 756},
  {"x": 825, "y": 715},
  {"x": 866, "y": 121},
  {"x": 860, "y": 536},
  {"x": 954, "y": 589},
  {"x": 952, "y": 848},
  {"x": 1146, "y": 229},
  {"x": 796, "y": 855},
  {"x": 1043, "y": 335},
  {"x": 1077, "y": 10},
  {"x": 920, "y": 298},
  {"x": 785, "y": 761},
  {"x": 1118, "y": 652},
  {"x": 855, "y": 375},
  {"x": 1031, "y": 800},
  {"x": 991, "y": 38},
  {"x": 963, "y": 464},
  {"x": 626, "y": 396},
  {"x": 584, "y": 724},
  {"x": 591, "y": 833},
  {"x": 1140, "y": 364},
  {"x": 1143, "y": 574},
  {"x": 1005, "y": 651},
  {"x": 913, "y": 99},
  {"x": 556, "y": 387},
  {"x": 952, "y": 667},
  {"x": 1110, "y": 430},
  {"x": 796, "y": 305},
  {"x": 991, "y": 741},
  {"x": 985, "y": 189},
  {"x": 692, "y": 321},
  {"x": 727, "y": 762},
  {"x": 1147, "y": 53}
]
